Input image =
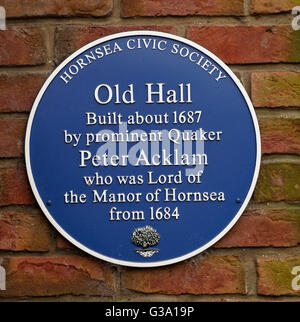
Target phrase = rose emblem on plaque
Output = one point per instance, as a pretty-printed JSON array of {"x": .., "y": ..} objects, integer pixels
[{"x": 145, "y": 237}]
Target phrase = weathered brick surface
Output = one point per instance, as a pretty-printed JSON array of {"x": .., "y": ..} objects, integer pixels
[
  {"x": 20, "y": 45},
  {"x": 277, "y": 182},
  {"x": 249, "y": 44},
  {"x": 48, "y": 276},
  {"x": 275, "y": 276},
  {"x": 14, "y": 187},
  {"x": 23, "y": 232},
  {"x": 214, "y": 275},
  {"x": 18, "y": 91},
  {"x": 280, "y": 135},
  {"x": 272, "y": 6},
  {"x": 264, "y": 228},
  {"x": 12, "y": 133},
  {"x": 133, "y": 8},
  {"x": 71, "y": 38},
  {"x": 62, "y": 243},
  {"x": 275, "y": 89},
  {"x": 25, "y": 8}
]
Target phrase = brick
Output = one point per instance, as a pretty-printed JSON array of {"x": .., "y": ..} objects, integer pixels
[
  {"x": 48, "y": 276},
  {"x": 275, "y": 276},
  {"x": 273, "y": 6},
  {"x": 264, "y": 228},
  {"x": 149, "y": 8},
  {"x": 264, "y": 44},
  {"x": 62, "y": 243},
  {"x": 277, "y": 182},
  {"x": 275, "y": 89},
  {"x": 22, "y": 46},
  {"x": 23, "y": 232},
  {"x": 214, "y": 275},
  {"x": 18, "y": 92},
  {"x": 280, "y": 135},
  {"x": 65, "y": 8},
  {"x": 71, "y": 38},
  {"x": 14, "y": 187},
  {"x": 12, "y": 133}
]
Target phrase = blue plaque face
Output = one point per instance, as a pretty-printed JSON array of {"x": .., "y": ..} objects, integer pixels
[{"x": 142, "y": 149}]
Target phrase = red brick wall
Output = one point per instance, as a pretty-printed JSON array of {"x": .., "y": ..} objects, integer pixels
[{"x": 254, "y": 261}]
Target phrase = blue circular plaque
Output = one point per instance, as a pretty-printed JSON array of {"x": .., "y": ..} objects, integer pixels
[{"x": 142, "y": 149}]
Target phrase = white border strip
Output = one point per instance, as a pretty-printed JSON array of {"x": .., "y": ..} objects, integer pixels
[{"x": 35, "y": 106}]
